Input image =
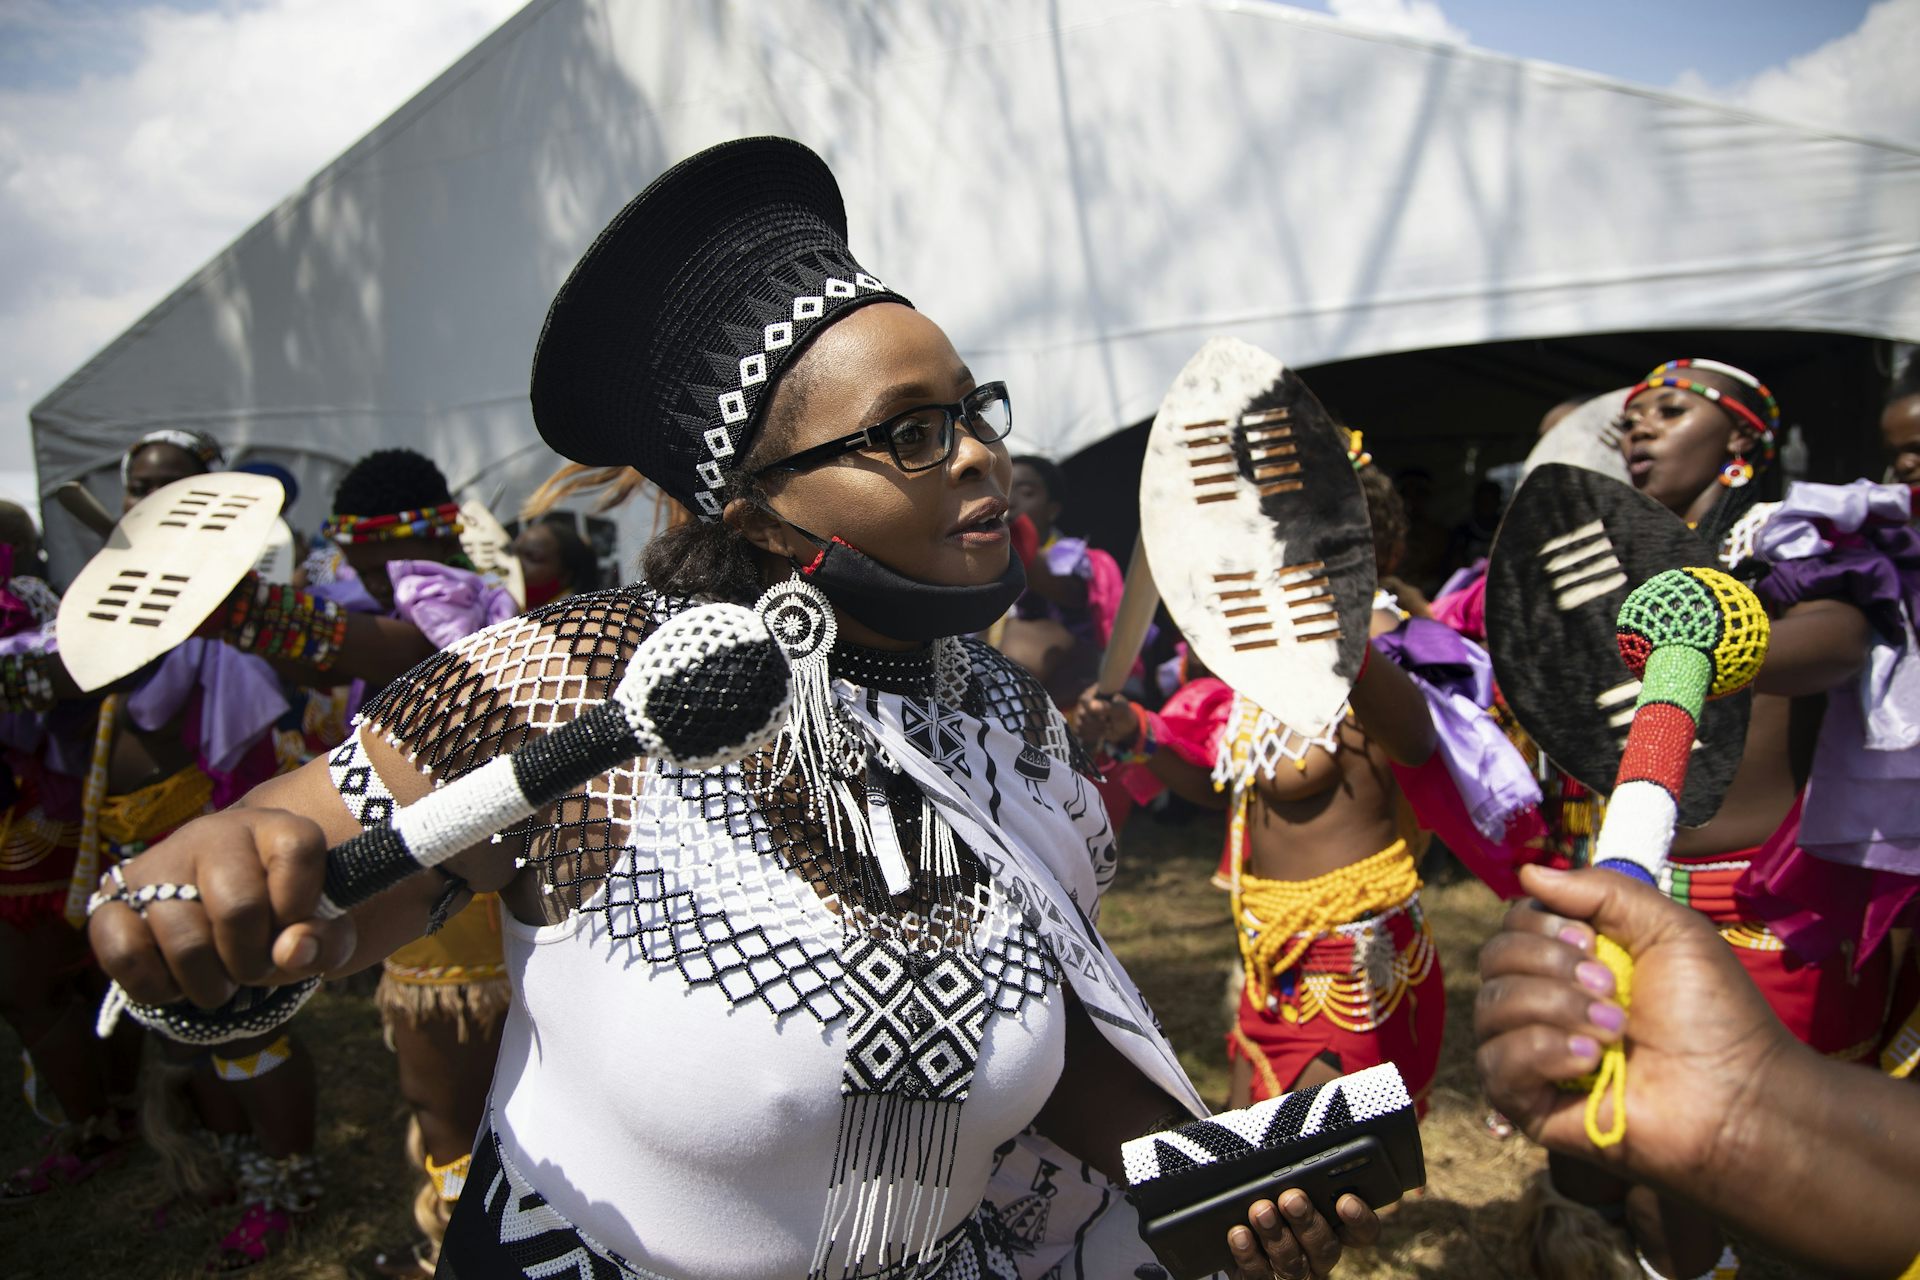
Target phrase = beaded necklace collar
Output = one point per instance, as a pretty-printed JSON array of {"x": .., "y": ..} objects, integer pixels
[{"x": 903, "y": 671}]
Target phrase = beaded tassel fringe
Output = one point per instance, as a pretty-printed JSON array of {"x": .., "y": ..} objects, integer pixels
[{"x": 892, "y": 1176}]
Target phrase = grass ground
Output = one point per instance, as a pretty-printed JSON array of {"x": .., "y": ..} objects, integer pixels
[{"x": 1162, "y": 917}]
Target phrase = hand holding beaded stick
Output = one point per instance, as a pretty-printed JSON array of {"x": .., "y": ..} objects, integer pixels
[
  {"x": 722, "y": 651},
  {"x": 1689, "y": 635}
]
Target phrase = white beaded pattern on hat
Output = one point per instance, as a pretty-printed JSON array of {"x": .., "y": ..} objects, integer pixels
[{"x": 753, "y": 371}]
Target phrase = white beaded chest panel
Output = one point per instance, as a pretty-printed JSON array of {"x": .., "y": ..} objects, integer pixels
[{"x": 729, "y": 878}]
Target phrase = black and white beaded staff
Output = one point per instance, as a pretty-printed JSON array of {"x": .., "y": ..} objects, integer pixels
[{"x": 708, "y": 687}]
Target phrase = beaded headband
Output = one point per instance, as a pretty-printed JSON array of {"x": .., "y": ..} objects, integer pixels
[
  {"x": 442, "y": 521},
  {"x": 1668, "y": 375}
]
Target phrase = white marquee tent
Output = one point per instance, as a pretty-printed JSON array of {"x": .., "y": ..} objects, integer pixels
[{"x": 1080, "y": 190}]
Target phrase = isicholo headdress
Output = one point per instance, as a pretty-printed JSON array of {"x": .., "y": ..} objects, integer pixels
[{"x": 659, "y": 349}]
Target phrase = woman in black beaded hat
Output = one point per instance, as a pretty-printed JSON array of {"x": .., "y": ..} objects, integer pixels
[{"x": 773, "y": 1019}]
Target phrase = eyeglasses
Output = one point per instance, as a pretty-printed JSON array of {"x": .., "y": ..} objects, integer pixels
[{"x": 919, "y": 439}]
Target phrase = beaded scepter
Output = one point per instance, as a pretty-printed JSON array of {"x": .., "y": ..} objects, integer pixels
[
  {"x": 722, "y": 651},
  {"x": 1688, "y": 635}
]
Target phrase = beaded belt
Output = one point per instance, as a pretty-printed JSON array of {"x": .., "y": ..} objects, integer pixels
[
  {"x": 156, "y": 808},
  {"x": 1357, "y": 975},
  {"x": 1706, "y": 884}
]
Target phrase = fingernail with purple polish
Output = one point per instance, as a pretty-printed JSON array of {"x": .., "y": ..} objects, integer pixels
[
  {"x": 1583, "y": 1047},
  {"x": 1607, "y": 1017},
  {"x": 1574, "y": 936},
  {"x": 1595, "y": 977}
]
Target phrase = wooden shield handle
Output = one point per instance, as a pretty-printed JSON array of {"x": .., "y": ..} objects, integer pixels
[{"x": 1137, "y": 605}]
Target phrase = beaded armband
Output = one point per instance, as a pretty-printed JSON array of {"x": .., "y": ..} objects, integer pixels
[
  {"x": 361, "y": 790},
  {"x": 372, "y": 804},
  {"x": 277, "y": 621},
  {"x": 26, "y": 681}
]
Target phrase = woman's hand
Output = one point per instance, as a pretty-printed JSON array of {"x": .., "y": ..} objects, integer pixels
[
  {"x": 1101, "y": 720},
  {"x": 1699, "y": 1036},
  {"x": 1291, "y": 1241},
  {"x": 259, "y": 874}
]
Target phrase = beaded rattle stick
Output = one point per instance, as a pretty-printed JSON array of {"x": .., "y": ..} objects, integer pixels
[
  {"x": 1689, "y": 635},
  {"x": 721, "y": 652}
]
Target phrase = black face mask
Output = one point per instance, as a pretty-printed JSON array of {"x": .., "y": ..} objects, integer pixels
[{"x": 905, "y": 608}]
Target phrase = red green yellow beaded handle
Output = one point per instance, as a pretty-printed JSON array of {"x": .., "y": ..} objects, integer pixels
[{"x": 1689, "y": 635}]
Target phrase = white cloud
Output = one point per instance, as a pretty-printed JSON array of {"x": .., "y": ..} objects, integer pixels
[
  {"x": 117, "y": 184},
  {"x": 1405, "y": 17},
  {"x": 1862, "y": 82}
]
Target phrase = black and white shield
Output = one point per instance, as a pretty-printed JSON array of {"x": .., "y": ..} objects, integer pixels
[
  {"x": 1572, "y": 546},
  {"x": 1256, "y": 532}
]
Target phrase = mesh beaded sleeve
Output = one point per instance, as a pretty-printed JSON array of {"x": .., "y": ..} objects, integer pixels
[{"x": 498, "y": 689}]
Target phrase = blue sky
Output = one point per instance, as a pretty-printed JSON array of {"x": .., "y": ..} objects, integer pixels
[
  {"x": 138, "y": 137},
  {"x": 1651, "y": 41}
]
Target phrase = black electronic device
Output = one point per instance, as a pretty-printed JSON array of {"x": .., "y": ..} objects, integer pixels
[{"x": 1192, "y": 1184}]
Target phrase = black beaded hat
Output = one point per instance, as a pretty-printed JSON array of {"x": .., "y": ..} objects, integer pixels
[{"x": 659, "y": 350}]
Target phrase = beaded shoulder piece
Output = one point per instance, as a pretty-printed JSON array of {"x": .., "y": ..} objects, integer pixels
[{"x": 1738, "y": 546}]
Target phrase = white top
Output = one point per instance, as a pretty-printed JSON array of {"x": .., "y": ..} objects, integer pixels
[
  {"x": 664, "y": 1102},
  {"x": 671, "y": 1074}
]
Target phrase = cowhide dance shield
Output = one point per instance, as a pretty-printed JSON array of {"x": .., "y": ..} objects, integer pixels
[
  {"x": 1573, "y": 545},
  {"x": 1585, "y": 438},
  {"x": 1256, "y": 532},
  {"x": 168, "y": 564},
  {"x": 489, "y": 547}
]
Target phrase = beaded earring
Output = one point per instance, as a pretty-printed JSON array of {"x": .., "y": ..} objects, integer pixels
[
  {"x": 817, "y": 741},
  {"x": 1737, "y": 473}
]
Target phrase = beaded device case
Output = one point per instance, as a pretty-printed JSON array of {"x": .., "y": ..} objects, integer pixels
[
  {"x": 1192, "y": 1184},
  {"x": 1573, "y": 545},
  {"x": 1257, "y": 533},
  {"x": 169, "y": 563}
]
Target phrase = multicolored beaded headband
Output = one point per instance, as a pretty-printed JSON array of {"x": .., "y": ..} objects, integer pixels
[
  {"x": 442, "y": 521},
  {"x": 1666, "y": 375}
]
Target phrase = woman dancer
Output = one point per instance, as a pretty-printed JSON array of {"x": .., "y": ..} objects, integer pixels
[
  {"x": 189, "y": 735},
  {"x": 831, "y": 1011},
  {"x": 1339, "y": 968},
  {"x": 47, "y": 981},
  {"x": 1809, "y": 930}
]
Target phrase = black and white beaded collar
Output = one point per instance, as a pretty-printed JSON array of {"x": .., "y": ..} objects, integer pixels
[{"x": 910, "y": 672}]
